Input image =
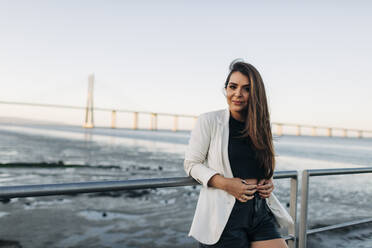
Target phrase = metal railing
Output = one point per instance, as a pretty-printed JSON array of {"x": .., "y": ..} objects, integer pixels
[
  {"x": 303, "y": 232},
  {"x": 8, "y": 192},
  {"x": 294, "y": 240}
]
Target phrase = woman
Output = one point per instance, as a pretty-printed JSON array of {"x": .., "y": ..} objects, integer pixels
[{"x": 231, "y": 154}]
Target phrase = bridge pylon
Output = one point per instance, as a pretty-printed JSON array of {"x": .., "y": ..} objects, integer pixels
[{"x": 89, "y": 121}]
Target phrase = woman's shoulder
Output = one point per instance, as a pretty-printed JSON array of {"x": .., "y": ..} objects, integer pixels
[{"x": 213, "y": 115}]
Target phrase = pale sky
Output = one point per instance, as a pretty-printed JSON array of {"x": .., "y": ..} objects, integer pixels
[{"x": 172, "y": 56}]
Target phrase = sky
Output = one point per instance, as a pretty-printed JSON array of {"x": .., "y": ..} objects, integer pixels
[{"x": 173, "y": 56}]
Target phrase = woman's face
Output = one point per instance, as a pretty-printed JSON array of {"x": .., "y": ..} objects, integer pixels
[{"x": 237, "y": 93}]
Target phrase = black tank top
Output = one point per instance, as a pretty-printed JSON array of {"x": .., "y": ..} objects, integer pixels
[{"x": 242, "y": 157}]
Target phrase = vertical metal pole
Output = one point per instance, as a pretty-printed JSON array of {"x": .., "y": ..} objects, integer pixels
[
  {"x": 113, "y": 119},
  {"x": 292, "y": 230},
  {"x": 302, "y": 237},
  {"x": 135, "y": 120},
  {"x": 175, "y": 126},
  {"x": 293, "y": 210}
]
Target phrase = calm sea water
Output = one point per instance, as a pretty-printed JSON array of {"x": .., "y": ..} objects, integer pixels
[{"x": 158, "y": 217}]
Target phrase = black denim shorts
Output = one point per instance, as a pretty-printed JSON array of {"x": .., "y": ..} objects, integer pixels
[{"x": 248, "y": 222}]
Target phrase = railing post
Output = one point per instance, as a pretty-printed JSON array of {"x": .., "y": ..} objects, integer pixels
[
  {"x": 345, "y": 132},
  {"x": 292, "y": 230},
  {"x": 302, "y": 237}
]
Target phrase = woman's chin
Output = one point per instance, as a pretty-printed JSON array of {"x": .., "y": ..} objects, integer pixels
[{"x": 237, "y": 108}]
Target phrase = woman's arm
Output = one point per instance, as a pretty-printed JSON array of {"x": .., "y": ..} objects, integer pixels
[
  {"x": 195, "y": 156},
  {"x": 234, "y": 186},
  {"x": 197, "y": 150},
  {"x": 218, "y": 181}
]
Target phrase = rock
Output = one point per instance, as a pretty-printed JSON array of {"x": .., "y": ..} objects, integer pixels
[
  {"x": 4, "y": 200},
  {"x": 10, "y": 244}
]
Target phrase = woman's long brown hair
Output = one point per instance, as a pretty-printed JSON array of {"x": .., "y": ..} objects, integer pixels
[{"x": 257, "y": 124}]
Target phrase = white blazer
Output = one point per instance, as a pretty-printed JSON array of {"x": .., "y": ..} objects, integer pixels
[{"x": 205, "y": 156}]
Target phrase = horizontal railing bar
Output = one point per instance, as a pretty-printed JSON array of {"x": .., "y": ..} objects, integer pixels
[
  {"x": 285, "y": 174},
  {"x": 338, "y": 226},
  {"x": 104, "y": 186},
  {"x": 288, "y": 237},
  {"x": 339, "y": 171},
  {"x": 91, "y": 187}
]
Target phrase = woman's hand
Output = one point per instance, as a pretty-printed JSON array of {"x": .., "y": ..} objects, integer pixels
[
  {"x": 242, "y": 192},
  {"x": 265, "y": 187}
]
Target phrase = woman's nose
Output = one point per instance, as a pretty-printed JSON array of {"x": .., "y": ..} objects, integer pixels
[{"x": 238, "y": 92}]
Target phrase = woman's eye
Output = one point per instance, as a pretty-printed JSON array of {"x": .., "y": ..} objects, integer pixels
[
  {"x": 246, "y": 89},
  {"x": 232, "y": 87}
]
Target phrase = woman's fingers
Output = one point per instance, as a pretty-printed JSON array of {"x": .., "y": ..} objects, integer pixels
[
  {"x": 244, "y": 197},
  {"x": 261, "y": 182},
  {"x": 267, "y": 191},
  {"x": 265, "y": 186},
  {"x": 264, "y": 195},
  {"x": 249, "y": 197},
  {"x": 250, "y": 192},
  {"x": 264, "y": 189},
  {"x": 251, "y": 186}
]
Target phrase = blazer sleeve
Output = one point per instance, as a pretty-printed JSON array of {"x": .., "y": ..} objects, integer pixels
[{"x": 197, "y": 151}]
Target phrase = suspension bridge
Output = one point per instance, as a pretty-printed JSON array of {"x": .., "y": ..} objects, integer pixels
[{"x": 280, "y": 128}]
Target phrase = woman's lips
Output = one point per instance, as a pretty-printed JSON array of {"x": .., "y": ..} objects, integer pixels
[{"x": 237, "y": 103}]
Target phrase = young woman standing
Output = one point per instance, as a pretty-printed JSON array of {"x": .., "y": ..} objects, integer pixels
[{"x": 231, "y": 154}]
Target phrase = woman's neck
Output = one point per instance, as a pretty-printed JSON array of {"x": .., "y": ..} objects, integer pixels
[{"x": 238, "y": 116}]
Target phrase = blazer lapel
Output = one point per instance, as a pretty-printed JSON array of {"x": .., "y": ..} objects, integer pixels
[{"x": 224, "y": 121}]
